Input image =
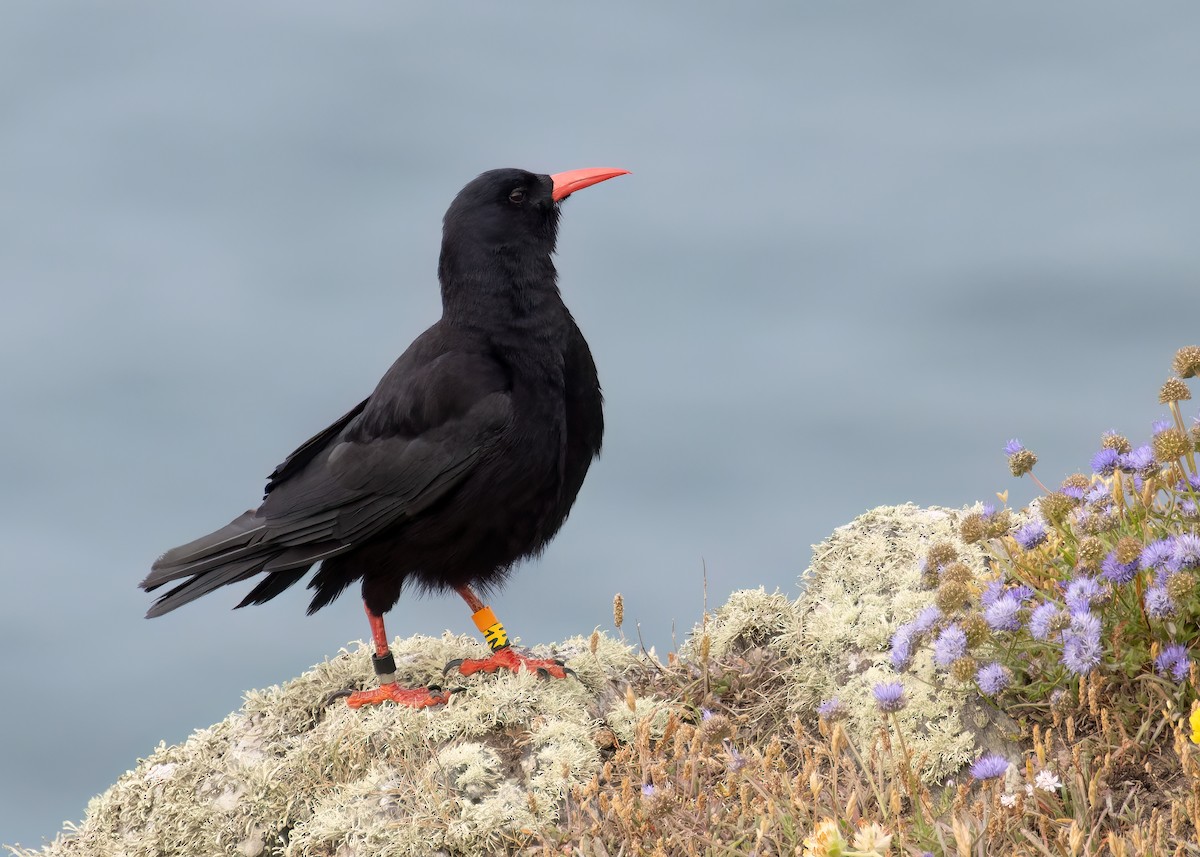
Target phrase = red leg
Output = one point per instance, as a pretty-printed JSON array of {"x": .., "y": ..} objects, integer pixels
[
  {"x": 385, "y": 669},
  {"x": 503, "y": 655}
]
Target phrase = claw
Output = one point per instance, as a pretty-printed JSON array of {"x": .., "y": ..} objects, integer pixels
[
  {"x": 571, "y": 672},
  {"x": 391, "y": 692},
  {"x": 336, "y": 695},
  {"x": 509, "y": 659},
  {"x": 454, "y": 664}
]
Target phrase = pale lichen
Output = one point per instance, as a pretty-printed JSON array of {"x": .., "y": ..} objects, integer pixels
[{"x": 289, "y": 775}]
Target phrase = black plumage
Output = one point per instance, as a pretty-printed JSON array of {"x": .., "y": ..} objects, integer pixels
[{"x": 468, "y": 455}]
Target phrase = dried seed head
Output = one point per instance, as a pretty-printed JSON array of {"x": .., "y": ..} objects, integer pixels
[
  {"x": 1180, "y": 585},
  {"x": 999, "y": 524},
  {"x": 1060, "y": 622},
  {"x": 1112, "y": 440},
  {"x": 1091, "y": 552},
  {"x": 958, "y": 572},
  {"x": 976, "y": 628},
  {"x": 1055, "y": 508},
  {"x": 951, "y": 595},
  {"x": 618, "y": 610},
  {"x": 594, "y": 641},
  {"x": 715, "y": 729},
  {"x": 940, "y": 554},
  {"x": 972, "y": 529},
  {"x": 1174, "y": 390},
  {"x": 1021, "y": 462},
  {"x": 1128, "y": 549},
  {"x": 1170, "y": 444},
  {"x": 1077, "y": 480},
  {"x": 964, "y": 668},
  {"x": 1187, "y": 361}
]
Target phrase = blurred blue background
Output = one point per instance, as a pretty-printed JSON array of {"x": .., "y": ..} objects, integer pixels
[{"x": 863, "y": 245}]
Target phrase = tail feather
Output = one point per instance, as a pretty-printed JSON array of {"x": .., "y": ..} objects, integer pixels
[
  {"x": 207, "y": 552},
  {"x": 202, "y": 584},
  {"x": 237, "y": 551}
]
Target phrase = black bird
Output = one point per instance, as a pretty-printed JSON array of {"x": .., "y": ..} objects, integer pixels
[{"x": 466, "y": 458}]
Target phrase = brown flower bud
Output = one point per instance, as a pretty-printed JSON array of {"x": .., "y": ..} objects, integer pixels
[
  {"x": 976, "y": 628},
  {"x": 1170, "y": 444},
  {"x": 1187, "y": 361},
  {"x": 1128, "y": 549},
  {"x": 1174, "y": 390},
  {"x": 964, "y": 668},
  {"x": 972, "y": 529},
  {"x": 1112, "y": 440},
  {"x": 1021, "y": 462}
]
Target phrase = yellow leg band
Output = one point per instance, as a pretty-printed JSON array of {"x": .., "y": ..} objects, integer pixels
[{"x": 493, "y": 631}]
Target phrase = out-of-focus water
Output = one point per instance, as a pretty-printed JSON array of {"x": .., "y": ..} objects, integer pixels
[{"x": 862, "y": 246}]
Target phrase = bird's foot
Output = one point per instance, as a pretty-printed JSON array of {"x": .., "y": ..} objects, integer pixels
[
  {"x": 416, "y": 697},
  {"x": 508, "y": 659}
]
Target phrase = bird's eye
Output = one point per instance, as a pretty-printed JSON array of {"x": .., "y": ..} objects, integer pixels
[{"x": 517, "y": 196}]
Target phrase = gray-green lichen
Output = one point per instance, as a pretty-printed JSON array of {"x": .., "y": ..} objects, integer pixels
[
  {"x": 288, "y": 775},
  {"x": 833, "y": 641}
]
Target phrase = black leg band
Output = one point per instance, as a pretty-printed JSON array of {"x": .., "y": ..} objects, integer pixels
[{"x": 384, "y": 665}]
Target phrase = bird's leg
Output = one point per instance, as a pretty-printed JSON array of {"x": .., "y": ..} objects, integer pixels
[
  {"x": 385, "y": 671},
  {"x": 503, "y": 655}
]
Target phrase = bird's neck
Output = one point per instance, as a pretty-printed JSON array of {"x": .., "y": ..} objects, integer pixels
[{"x": 501, "y": 291}]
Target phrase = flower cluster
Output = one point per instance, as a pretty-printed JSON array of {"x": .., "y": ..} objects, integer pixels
[{"x": 1101, "y": 573}]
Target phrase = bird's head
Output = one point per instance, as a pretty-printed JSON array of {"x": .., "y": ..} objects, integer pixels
[{"x": 514, "y": 208}]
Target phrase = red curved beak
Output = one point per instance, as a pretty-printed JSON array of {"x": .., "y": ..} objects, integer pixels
[{"x": 567, "y": 183}]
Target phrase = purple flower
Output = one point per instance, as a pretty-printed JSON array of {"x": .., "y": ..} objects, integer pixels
[
  {"x": 1073, "y": 491},
  {"x": 1140, "y": 461},
  {"x": 1158, "y": 603},
  {"x": 951, "y": 645},
  {"x": 1040, "y": 619},
  {"x": 989, "y": 767},
  {"x": 1159, "y": 426},
  {"x": 1013, "y": 447},
  {"x": 647, "y": 790},
  {"x": 1157, "y": 554},
  {"x": 993, "y": 678},
  {"x": 1021, "y": 592},
  {"x": 1031, "y": 535},
  {"x": 831, "y": 709},
  {"x": 991, "y": 592},
  {"x": 1080, "y": 593},
  {"x": 1188, "y": 507},
  {"x": 1098, "y": 493},
  {"x": 1104, "y": 462},
  {"x": 1081, "y": 643},
  {"x": 1174, "y": 658},
  {"x": 926, "y": 619},
  {"x": 902, "y": 647},
  {"x": 988, "y": 510},
  {"x": 1186, "y": 553},
  {"x": 889, "y": 696},
  {"x": 706, "y": 713},
  {"x": 1117, "y": 572},
  {"x": 1002, "y": 614}
]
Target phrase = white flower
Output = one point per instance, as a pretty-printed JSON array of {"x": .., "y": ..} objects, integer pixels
[
  {"x": 1008, "y": 799},
  {"x": 872, "y": 839},
  {"x": 1047, "y": 781},
  {"x": 1029, "y": 788}
]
